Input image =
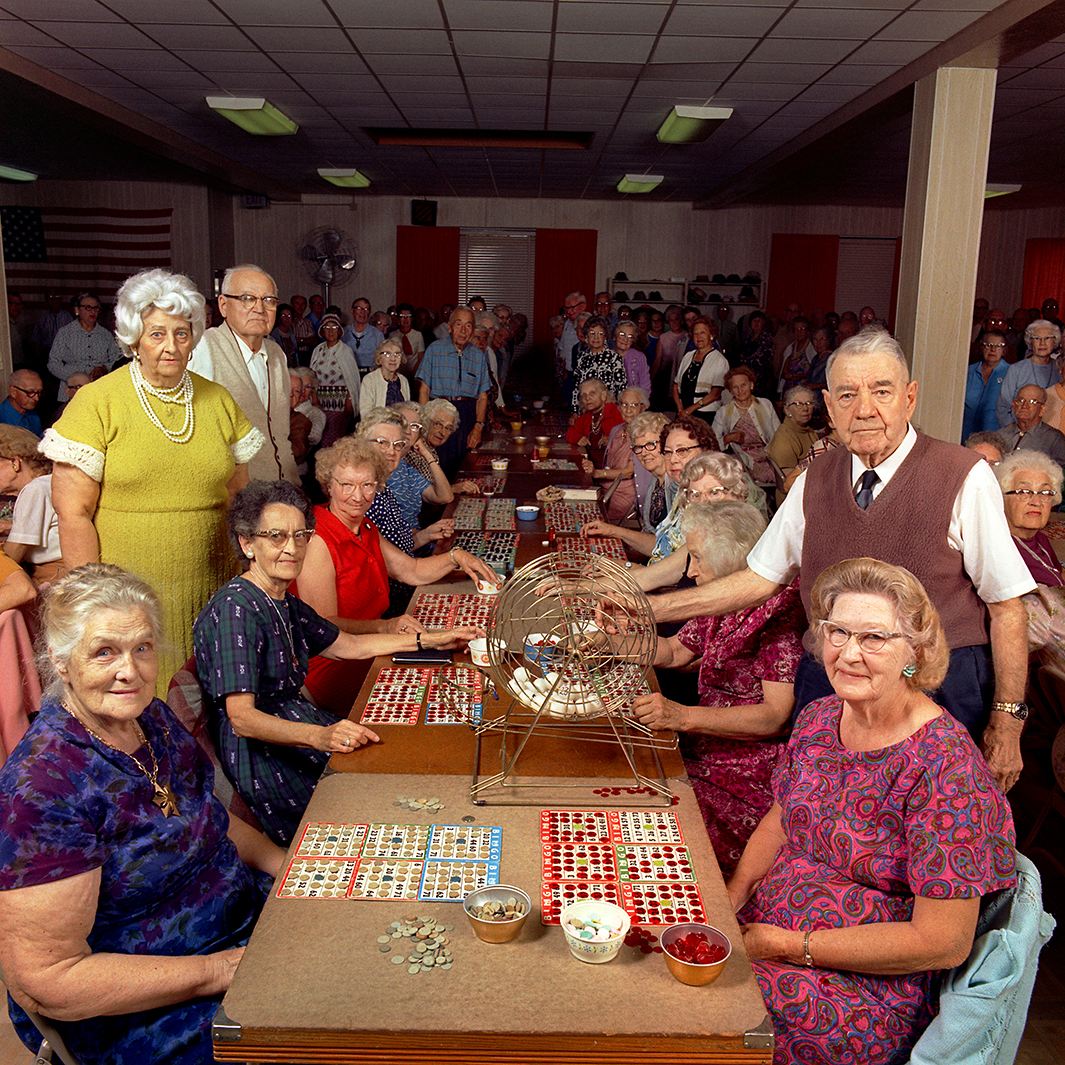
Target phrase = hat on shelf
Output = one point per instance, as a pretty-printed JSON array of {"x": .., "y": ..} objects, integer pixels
[
  {"x": 734, "y": 279},
  {"x": 747, "y": 295},
  {"x": 752, "y": 277},
  {"x": 621, "y": 297},
  {"x": 696, "y": 295},
  {"x": 621, "y": 276},
  {"x": 719, "y": 279},
  {"x": 656, "y": 296},
  {"x": 702, "y": 277},
  {"x": 640, "y": 295},
  {"x": 714, "y": 298}
]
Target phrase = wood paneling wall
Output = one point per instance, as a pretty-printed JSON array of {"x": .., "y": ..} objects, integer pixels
[{"x": 211, "y": 231}]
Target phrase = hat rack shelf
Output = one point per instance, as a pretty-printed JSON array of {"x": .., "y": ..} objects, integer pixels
[{"x": 698, "y": 292}]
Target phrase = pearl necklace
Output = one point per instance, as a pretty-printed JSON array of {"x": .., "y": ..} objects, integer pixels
[
  {"x": 181, "y": 393},
  {"x": 162, "y": 795}
]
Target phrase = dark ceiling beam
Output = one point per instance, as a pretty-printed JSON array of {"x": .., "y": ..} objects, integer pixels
[
  {"x": 1009, "y": 31},
  {"x": 140, "y": 132}
]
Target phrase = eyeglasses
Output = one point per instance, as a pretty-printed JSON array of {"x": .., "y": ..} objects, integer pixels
[
  {"x": 31, "y": 391},
  {"x": 345, "y": 488},
  {"x": 680, "y": 452},
  {"x": 650, "y": 446},
  {"x": 416, "y": 426},
  {"x": 1042, "y": 495},
  {"x": 693, "y": 496},
  {"x": 89, "y": 307},
  {"x": 278, "y": 537},
  {"x": 1051, "y": 338},
  {"x": 269, "y": 302},
  {"x": 990, "y": 344},
  {"x": 871, "y": 640},
  {"x": 449, "y": 426},
  {"x": 796, "y": 403},
  {"x": 389, "y": 445},
  {"x": 1028, "y": 403},
  {"x": 630, "y": 406}
]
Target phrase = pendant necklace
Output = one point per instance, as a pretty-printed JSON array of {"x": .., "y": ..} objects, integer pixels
[
  {"x": 285, "y": 627},
  {"x": 162, "y": 794}
]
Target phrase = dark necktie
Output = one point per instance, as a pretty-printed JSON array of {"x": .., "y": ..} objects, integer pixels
[{"x": 865, "y": 489}]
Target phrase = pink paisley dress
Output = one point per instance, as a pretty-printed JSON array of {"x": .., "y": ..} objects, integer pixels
[{"x": 864, "y": 833}]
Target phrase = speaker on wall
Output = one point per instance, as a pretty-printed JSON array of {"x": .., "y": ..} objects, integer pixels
[{"x": 423, "y": 212}]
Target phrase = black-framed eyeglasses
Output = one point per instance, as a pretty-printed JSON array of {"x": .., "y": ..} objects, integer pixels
[
  {"x": 30, "y": 391},
  {"x": 278, "y": 537},
  {"x": 249, "y": 301},
  {"x": 650, "y": 446}
]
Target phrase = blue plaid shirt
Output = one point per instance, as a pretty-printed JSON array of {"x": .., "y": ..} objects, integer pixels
[{"x": 448, "y": 372}]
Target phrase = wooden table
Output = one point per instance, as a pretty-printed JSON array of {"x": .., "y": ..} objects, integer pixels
[{"x": 313, "y": 986}]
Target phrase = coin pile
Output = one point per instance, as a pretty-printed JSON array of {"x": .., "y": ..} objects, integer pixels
[
  {"x": 409, "y": 803},
  {"x": 511, "y": 910},
  {"x": 426, "y": 945}
]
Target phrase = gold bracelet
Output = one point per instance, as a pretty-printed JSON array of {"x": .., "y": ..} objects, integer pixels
[{"x": 807, "y": 957}]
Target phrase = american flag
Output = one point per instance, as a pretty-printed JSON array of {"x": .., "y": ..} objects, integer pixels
[{"x": 75, "y": 249}]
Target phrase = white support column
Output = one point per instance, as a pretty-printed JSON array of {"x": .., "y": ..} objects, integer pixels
[{"x": 941, "y": 237}]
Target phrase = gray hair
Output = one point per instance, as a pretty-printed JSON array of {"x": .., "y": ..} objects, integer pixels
[
  {"x": 725, "y": 468},
  {"x": 72, "y": 600},
  {"x": 440, "y": 406},
  {"x": 645, "y": 399},
  {"x": 577, "y": 296},
  {"x": 380, "y": 416},
  {"x": 308, "y": 375},
  {"x": 988, "y": 436},
  {"x": 486, "y": 320},
  {"x": 1041, "y": 323},
  {"x": 724, "y": 533},
  {"x": 502, "y": 307},
  {"x": 602, "y": 385},
  {"x": 795, "y": 390},
  {"x": 251, "y": 268},
  {"x": 156, "y": 290},
  {"x": 651, "y": 421},
  {"x": 555, "y": 319},
  {"x": 387, "y": 345},
  {"x": 1025, "y": 459},
  {"x": 23, "y": 373},
  {"x": 868, "y": 342}
]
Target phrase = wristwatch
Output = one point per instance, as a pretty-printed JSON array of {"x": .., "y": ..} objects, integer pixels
[{"x": 1017, "y": 710}]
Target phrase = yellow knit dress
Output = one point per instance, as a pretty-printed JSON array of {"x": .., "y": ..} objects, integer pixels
[{"x": 161, "y": 511}]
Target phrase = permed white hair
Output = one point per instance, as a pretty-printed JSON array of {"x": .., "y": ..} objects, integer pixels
[{"x": 156, "y": 290}]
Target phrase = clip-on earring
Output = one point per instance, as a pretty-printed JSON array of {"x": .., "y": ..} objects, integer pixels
[{"x": 908, "y": 671}]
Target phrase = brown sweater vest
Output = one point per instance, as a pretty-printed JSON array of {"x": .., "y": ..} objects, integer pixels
[{"x": 906, "y": 525}]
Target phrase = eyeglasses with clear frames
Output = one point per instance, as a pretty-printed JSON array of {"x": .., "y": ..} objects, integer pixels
[
  {"x": 389, "y": 445},
  {"x": 1028, "y": 402},
  {"x": 693, "y": 496},
  {"x": 269, "y": 302},
  {"x": 346, "y": 488},
  {"x": 870, "y": 640},
  {"x": 278, "y": 537}
]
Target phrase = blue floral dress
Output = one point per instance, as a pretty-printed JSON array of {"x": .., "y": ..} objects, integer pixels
[
  {"x": 246, "y": 642},
  {"x": 168, "y": 885}
]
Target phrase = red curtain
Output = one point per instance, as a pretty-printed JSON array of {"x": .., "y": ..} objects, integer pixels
[
  {"x": 802, "y": 269},
  {"x": 1044, "y": 271},
  {"x": 427, "y": 265},
  {"x": 565, "y": 262}
]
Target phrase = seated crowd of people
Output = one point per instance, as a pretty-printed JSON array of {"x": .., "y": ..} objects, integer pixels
[{"x": 841, "y": 604}]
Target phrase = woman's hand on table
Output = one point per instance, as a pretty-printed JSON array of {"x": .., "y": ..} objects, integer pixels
[
  {"x": 588, "y": 466},
  {"x": 475, "y": 568},
  {"x": 466, "y": 488},
  {"x": 449, "y": 639},
  {"x": 583, "y": 442},
  {"x": 767, "y": 942},
  {"x": 345, "y": 736},
  {"x": 657, "y": 712},
  {"x": 221, "y": 967},
  {"x": 404, "y": 623},
  {"x": 598, "y": 528}
]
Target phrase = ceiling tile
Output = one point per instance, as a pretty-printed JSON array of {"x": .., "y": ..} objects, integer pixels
[
  {"x": 928, "y": 25},
  {"x": 675, "y": 49},
  {"x": 283, "y": 39},
  {"x": 20, "y": 34},
  {"x": 798, "y": 74},
  {"x": 581, "y": 88},
  {"x": 131, "y": 59},
  {"x": 601, "y": 48},
  {"x": 486, "y": 15},
  {"x": 388, "y": 42},
  {"x": 853, "y": 73},
  {"x": 143, "y": 12},
  {"x": 826, "y": 24},
  {"x": 410, "y": 15},
  {"x": 239, "y": 62},
  {"x": 889, "y": 53},
  {"x": 1039, "y": 78},
  {"x": 60, "y": 60},
  {"x": 703, "y": 20},
  {"x": 400, "y": 64},
  {"x": 509, "y": 45},
  {"x": 278, "y": 12},
  {"x": 594, "y": 19},
  {"x": 795, "y": 50},
  {"x": 519, "y": 71},
  {"x": 71, "y": 10},
  {"x": 100, "y": 34}
]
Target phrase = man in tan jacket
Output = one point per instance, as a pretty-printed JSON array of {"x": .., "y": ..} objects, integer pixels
[{"x": 239, "y": 356}]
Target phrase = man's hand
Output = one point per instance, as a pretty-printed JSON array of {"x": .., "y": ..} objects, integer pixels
[
  {"x": 1001, "y": 744},
  {"x": 474, "y": 439}
]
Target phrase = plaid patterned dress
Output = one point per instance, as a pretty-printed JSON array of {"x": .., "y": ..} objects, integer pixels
[{"x": 247, "y": 642}]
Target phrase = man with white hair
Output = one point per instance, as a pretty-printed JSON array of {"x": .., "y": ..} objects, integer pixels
[
  {"x": 24, "y": 389},
  {"x": 894, "y": 494},
  {"x": 239, "y": 355},
  {"x": 1028, "y": 430}
]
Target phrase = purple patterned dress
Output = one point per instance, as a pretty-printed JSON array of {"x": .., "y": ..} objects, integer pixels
[
  {"x": 168, "y": 885},
  {"x": 864, "y": 833},
  {"x": 732, "y": 778}
]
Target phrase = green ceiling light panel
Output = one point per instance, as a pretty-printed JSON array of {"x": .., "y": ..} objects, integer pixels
[
  {"x": 346, "y": 179},
  {"x": 991, "y": 191},
  {"x": 687, "y": 125},
  {"x": 640, "y": 182},
  {"x": 12, "y": 173},
  {"x": 253, "y": 114}
]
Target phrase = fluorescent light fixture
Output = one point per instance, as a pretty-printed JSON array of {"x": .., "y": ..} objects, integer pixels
[
  {"x": 640, "y": 182},
  {"x": 686, "y": 125},
  {"x": 346, "y": 179},
  {"x": 253, "y": 114},
  {"x": 991, "y": 191},
  {"x": 11, "y": 173}
]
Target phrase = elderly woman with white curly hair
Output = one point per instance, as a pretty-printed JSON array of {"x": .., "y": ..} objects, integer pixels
[{"x": 147, "y": 459}]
